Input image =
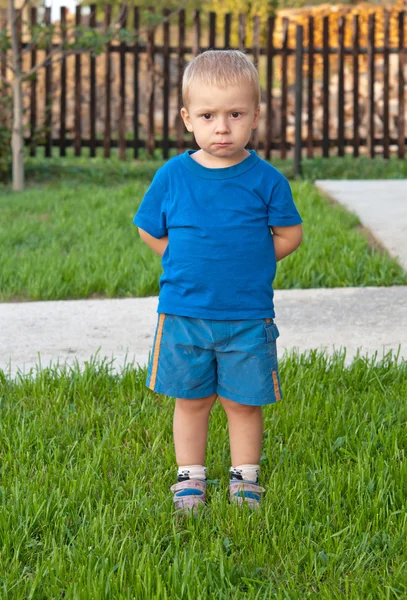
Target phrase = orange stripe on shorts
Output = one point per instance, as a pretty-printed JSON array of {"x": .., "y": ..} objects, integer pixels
[
  {"x": 156, "y": 351},
  {"x": 276, "y": 386}
]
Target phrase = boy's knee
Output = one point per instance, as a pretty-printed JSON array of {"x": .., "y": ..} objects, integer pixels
[
  {"x": 196, "y": 404},
  {"x": 240, "y": 409}
]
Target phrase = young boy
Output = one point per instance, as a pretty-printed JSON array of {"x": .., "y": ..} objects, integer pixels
[{"x": 208, "y": 213}]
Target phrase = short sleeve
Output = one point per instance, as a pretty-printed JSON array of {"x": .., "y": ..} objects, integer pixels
[
  {"x": 151, "y": 215},
  {"x": 282, "y": 211}
]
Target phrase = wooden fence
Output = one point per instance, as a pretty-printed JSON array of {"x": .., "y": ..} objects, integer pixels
[{"x": 277, "y": 92}]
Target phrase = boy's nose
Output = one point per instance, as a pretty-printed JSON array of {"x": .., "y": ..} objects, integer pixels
[{"x": 222, "y": 125}]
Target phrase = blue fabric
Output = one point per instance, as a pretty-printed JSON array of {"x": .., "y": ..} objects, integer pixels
[
  {"x": 220, "y": 261},
  {"x": 189, "y": 492},
  {"x": 247, "y": 495},
  {"x": 194, "y": 358}
]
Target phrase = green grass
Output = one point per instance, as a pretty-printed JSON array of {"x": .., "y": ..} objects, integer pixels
[
  {"x": 348, "y": 167},
  {"x": 113, "y": 170},
  {"x": 86, "y": 512},
  {"x": 70, "y": 235}
]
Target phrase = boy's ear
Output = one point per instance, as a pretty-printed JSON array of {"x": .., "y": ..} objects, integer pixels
[
  {"x": 186, "y": 118},
  {"x": 256, "y": 118}
]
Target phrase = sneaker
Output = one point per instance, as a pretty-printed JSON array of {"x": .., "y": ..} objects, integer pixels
[
  {"x": 243, "y": 492},
  {"x": 189, "y": 495}
]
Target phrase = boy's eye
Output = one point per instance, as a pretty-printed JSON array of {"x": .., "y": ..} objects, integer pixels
[
  {"x": 236, "y": 114},
  {"x": 207, "y": 116}
]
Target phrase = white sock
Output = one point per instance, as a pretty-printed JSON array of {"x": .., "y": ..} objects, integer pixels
[
  {"x": 249, "y": 473},
  {"x": 192, "y": 472}
]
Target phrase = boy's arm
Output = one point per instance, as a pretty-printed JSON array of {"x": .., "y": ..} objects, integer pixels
[
  {"x": 157, "y": 245},
  {"x": 286, "y": 240}
]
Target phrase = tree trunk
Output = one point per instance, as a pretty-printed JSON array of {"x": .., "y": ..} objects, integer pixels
[{"x": 17, "y": 140}]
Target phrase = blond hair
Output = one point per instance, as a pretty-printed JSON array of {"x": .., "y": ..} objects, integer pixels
[{"x": 221, "y": 68}]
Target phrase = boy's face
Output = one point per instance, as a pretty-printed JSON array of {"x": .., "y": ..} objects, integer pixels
[{"x": 222, "y": 120}]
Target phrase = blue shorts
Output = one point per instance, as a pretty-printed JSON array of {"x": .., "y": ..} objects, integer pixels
[{"x": 194, "y": 358}]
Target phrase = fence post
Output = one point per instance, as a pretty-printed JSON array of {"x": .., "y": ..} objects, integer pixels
[
  {"x": 108, "y": 73},
  {"x": 166, "y": 82},
  {"x": 341, "y": 87},
  {"x": 284, "y": 88},
  {"x": 269, "y": 116},
  {"x": 181, "y": 63},
  {"x": 122, "y": 85},
  {"x": 3, "y": 71},
  {"x": 62, "y": 114},
  {"x": 310, "y": 137},
  {"x": 33, "y": 91},
  {"x": 299, "y": 51},
  {"x": 48, "y": 92},
  {"x": 136, "y": 63},
  {"x": 228, "y": 20},
  {"x": 401, "y": 120},
  {"x": 325, "y": 89},
  {"x": 197, "y": 33},
  {"x": 256, "y": 55},
  {"x": 386, "y": 87},
  {"x": 150, "y": 144},
  {"x": 370, "y": 86},
  {"x": 92, "y": 99},
  {"x": 355, "y": 54},
  {"x": 212, "y": 31},
  {"x": 78, "y": 92}
]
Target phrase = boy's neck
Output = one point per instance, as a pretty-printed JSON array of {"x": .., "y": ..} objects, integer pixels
[{"x": 213, "y": 162}]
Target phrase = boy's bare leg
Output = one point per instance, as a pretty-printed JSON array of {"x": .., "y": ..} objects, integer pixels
[
  {"x": 245, "y": 432},
  {"x": 191, "y": 429}
]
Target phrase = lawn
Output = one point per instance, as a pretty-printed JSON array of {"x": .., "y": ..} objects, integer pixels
[
  {"x": 334, "y": 167},
  {"x": 87, "y": 456},
  {"x": 86, "y": 512},
  {"x": 70, "y": 235}
]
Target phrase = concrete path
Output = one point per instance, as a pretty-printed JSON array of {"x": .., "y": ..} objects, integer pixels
[
  {"x": 381, "y": 206},
  {"x": 365, "y": 319}
]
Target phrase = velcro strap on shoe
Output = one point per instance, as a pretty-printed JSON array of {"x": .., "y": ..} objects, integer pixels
[
  {"x": 190, "y": 487},
  {"x": 245, "y": 490}
]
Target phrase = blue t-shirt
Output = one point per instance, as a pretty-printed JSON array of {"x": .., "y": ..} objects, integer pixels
[{"x": 220, "y": 261}]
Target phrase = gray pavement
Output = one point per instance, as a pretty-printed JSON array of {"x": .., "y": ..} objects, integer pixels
[{"x": 362, "y": 320}]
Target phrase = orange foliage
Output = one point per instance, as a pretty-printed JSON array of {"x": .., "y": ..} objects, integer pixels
[{"x": 334, "y": 13}]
